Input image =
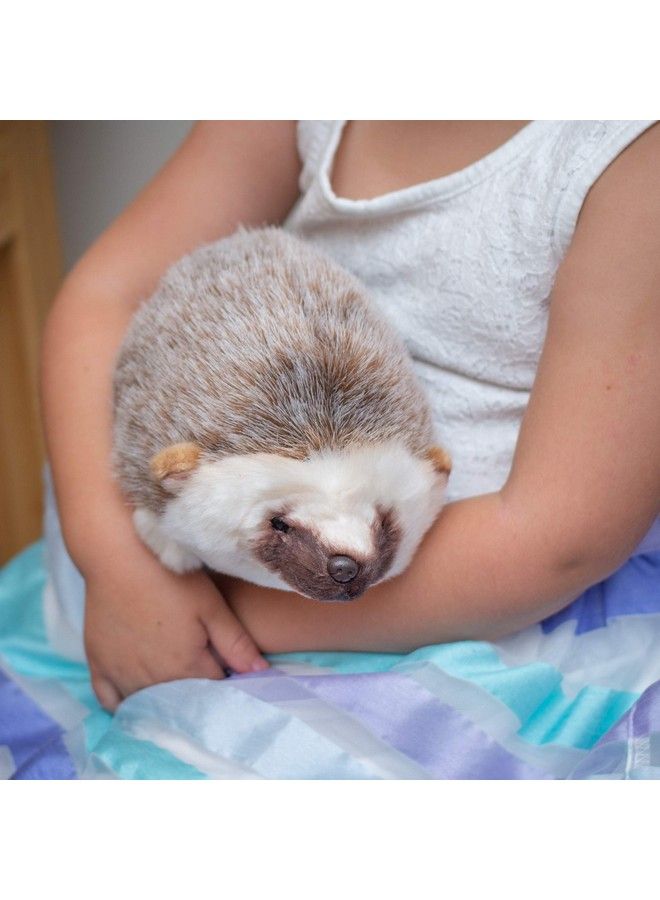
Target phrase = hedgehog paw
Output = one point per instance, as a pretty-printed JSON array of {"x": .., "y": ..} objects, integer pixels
[{"x": 172, "y": 555}]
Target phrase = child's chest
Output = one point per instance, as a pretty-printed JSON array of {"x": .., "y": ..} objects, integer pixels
[
  {"x": 462, "y": 263},
  {"x": 375, "y": 158}
]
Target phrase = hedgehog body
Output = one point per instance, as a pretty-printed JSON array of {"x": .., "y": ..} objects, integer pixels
[{"x": 257, "y": 347}]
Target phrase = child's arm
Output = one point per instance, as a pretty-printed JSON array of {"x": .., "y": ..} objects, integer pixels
[
  {"x": 585, "y": 481},
  {"x": 143, "y": 624}
]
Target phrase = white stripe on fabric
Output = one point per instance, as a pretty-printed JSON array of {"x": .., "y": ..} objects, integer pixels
[
  {"x": 189, "y": 751},
  {"x": 88, "y": 766},
  {"x": 639, "y": 755},
  {"x": 300, "y": 668},
  {"x": 346, "y": 732},
  {"x": 64, "y": 597},
  {"x": 65, "y": 639},
  {"x": 623, "y": 656},
  {"x": 7, "y": 764}
]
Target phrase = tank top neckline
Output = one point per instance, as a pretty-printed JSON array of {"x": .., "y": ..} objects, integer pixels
[{"x": 427, "y": 191}]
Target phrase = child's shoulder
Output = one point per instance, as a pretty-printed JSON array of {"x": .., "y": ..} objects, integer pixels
[{"x": 583, "y": 154}]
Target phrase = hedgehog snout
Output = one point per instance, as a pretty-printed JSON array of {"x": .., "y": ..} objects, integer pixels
[{"x": 342, "y": 569}]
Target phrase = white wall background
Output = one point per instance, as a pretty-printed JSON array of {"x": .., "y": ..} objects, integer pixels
[{"x": 99, "y": 167}]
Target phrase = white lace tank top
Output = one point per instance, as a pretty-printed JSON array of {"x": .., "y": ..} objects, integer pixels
[{"x": 463, "y": 267}]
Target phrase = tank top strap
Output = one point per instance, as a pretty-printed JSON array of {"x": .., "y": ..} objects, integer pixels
[
  {"x": 582, "y": 152},
  {"x": 313, "y": 139}
]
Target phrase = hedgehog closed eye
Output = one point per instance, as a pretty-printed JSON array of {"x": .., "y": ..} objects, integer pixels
[{"x": 279, "y": 524}]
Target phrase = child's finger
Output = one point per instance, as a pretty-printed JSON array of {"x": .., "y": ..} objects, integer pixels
[
  {"x": 106, "y": 692},
  {"x": 232, "y": 642}
]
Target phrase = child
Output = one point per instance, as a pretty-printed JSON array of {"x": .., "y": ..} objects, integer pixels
[{"x": 520, "y": 263}]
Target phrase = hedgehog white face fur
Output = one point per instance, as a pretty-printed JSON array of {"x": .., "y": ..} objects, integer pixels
[{"x": 328, "y": 526}]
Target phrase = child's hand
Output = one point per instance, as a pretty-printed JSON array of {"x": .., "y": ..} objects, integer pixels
[{"x": 145, "y": 625}]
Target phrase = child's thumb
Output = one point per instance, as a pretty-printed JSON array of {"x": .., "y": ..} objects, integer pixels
[
  {"x": 106, "y": 692},
  {"x": 231, "y": 641}
]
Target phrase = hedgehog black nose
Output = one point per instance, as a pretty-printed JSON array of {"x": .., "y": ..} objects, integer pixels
[{"x": 342, "y": 568}]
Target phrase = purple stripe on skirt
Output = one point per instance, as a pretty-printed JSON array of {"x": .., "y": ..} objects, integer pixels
[
  {"x": 34, "y": 739},
  {"x": 405, "y": 716},
  {"x": 642, "y": 719},
  {"x": 633, "y": 589}
]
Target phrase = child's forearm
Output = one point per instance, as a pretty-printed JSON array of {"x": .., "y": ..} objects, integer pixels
[{"x": 480, "y": 573}]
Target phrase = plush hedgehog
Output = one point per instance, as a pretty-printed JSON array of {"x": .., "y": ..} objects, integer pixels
[{"x": 268, "y": 423}]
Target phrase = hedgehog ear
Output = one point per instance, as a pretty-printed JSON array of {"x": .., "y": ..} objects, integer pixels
[
  {"x": 440, "y": 460},
  {"x": 172, "y": 466}
]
